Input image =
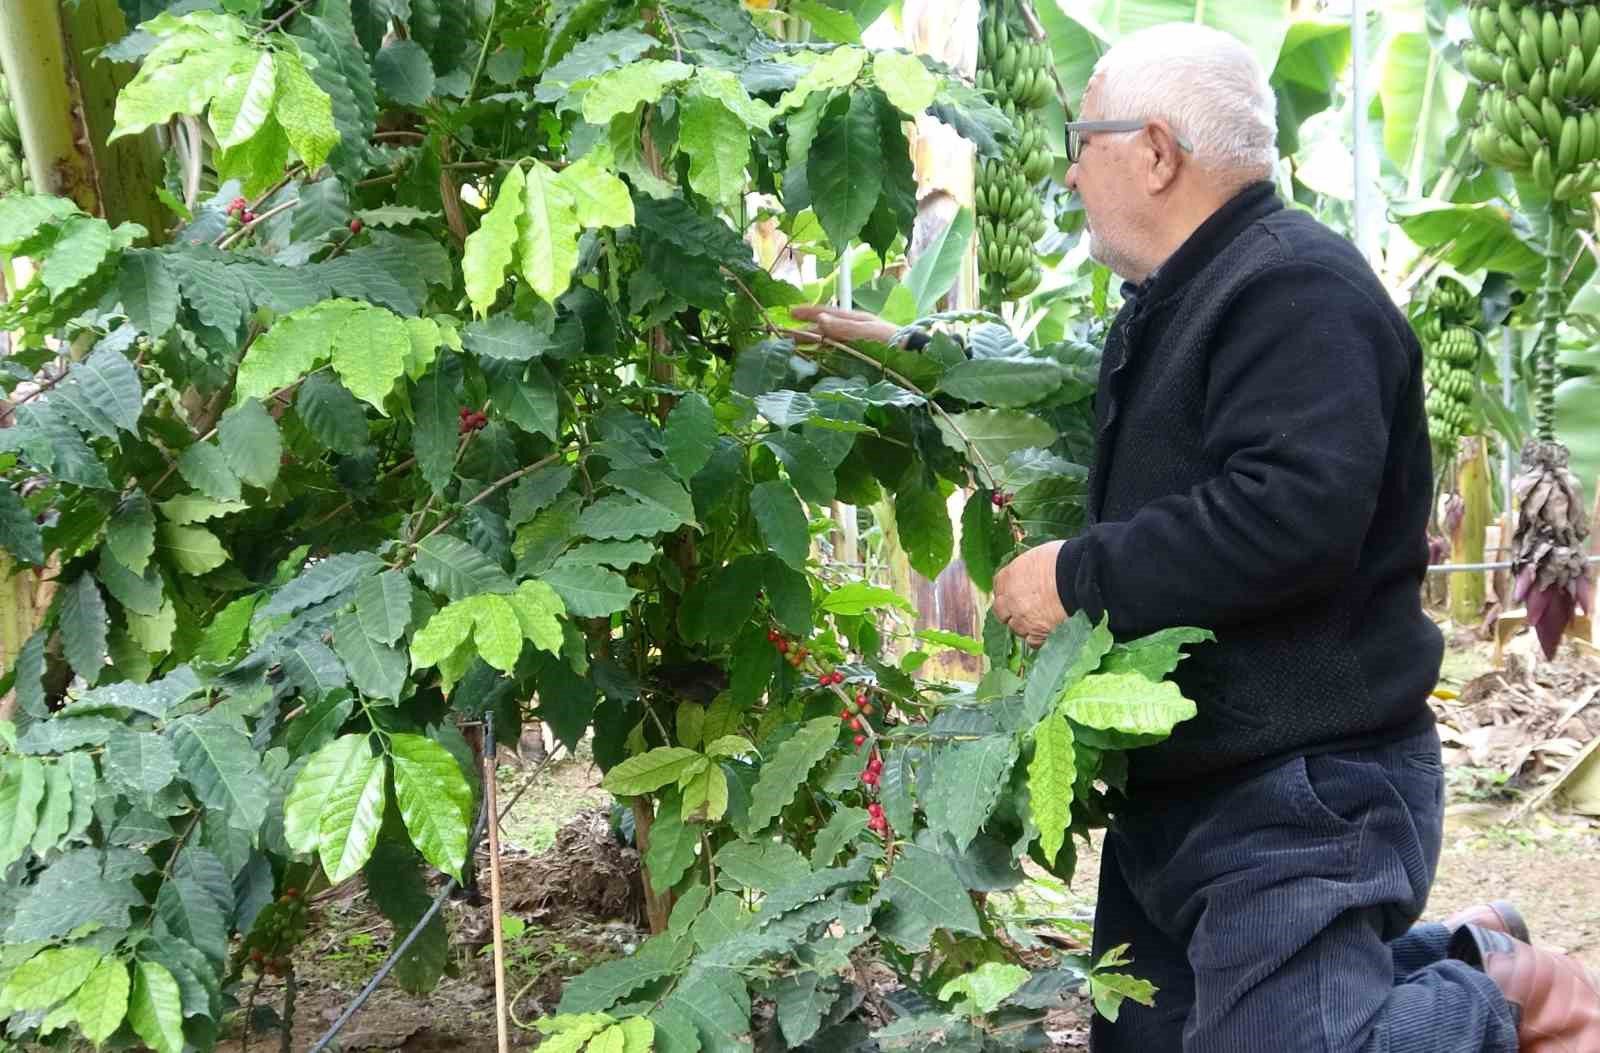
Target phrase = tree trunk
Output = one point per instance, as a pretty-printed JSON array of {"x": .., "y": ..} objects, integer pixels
[
  {"x": 1466, "y": 546},
  {"x": 129, "y": 171},
  {"x": 33, "y": 51}
]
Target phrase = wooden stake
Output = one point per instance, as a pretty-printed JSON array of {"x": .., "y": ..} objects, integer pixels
[{"x": 492, "y": 810}]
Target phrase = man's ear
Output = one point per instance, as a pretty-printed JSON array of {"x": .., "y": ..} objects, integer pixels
[{"x": 1165, "y": 156}]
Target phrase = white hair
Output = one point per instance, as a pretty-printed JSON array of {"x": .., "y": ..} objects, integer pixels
[{"x": 1205, "y": 84}]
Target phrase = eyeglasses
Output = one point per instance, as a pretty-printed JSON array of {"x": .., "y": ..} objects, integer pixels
[{"x": 1078, "y": 130}]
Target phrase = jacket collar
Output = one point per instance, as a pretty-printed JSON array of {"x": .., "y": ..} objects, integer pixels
[{"x": 1254, "y": 202}]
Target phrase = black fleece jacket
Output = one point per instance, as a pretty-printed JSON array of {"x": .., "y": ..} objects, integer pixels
[{"x": 1262, "y": 470}]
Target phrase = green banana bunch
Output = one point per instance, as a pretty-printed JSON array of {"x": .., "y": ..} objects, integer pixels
[
  {"x": 1539, "y": 65},
  {"x": 1451, "y": 347},
  {"x": 1016, "y": 69},
  {"x": 13, "y": 173}
]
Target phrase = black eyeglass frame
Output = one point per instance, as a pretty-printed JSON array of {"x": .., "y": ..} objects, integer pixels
[{"x": 1076, "y": 130}]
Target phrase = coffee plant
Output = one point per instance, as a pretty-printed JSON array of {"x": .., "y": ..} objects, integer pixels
[{"x": 457, "y": 391}]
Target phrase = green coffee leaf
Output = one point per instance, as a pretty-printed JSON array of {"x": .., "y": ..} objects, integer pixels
[
  {"x": 187, "y": 509},
  {"x": 449, "y": 565},
  {"x": 491, "y": 248},
  {"x": 984, "y": 988},
  {"x": 718, "y": 146},
  {"x": 505, "y": 337},
  {"x": 923, "y": 521},
  {"x": 624, "y": 90},
  {"x": 435, "y": 800},
  {"x": 304, "y": 111},
  {"x": 1071, "y": 651},
  {"x": 844, "y": 826},
  {"x": 784, "y": 772},
  {"x": 205, "y": 467},
  {"x": 1052, "y": 773},
  {"x": 925, "y": 895},
  {"x": 650, "y": 771},
  {"x": 968, "y": 779},
  {"x": 437, "y": 402},
  {"x": 845, "y": 171},
  {"x": 905, "y": 80},
  {"x": 331, "y": 414},
  {"x": 705, "y": 795},
  {"x": 79, "y": 250},
  {"x": 590, "y": 592},
  {"x": 1004, "y": 382},
  {"x": 442, "y": 635},
  {"x": 537, "y": 607},
  {"x": 323, "y": 580},
  {"x": 83, "y": 627},
  {"x": 782, "y": 521},
  {"x": 195, "y": 916},
  {"x": 1127, "y": 702},
  {"x": 141, "y": 762},
  {"x": 690, "y": 435},
  {"x": 620, "y": 517},
  {"x": 102, "y": 1002},
  {"x": 250, "y": 443},
  {"x": 155, "y": 1008},
  {"x": 48, "y": 977},
  {"x": 103, "y": 390},
  {"x": 404, "y": 73},
  {"x": 377, "y": 670},
  {"x": 859, "y": 597},
  {"x": 764, "y": 865},
  {"x": 19, "y": 531},
  {"x": 369, "y": 353},
  {"x": 227, "y": 630},
  {"x": 55, "y": 813},
  {"x": 243, "y": 101},
  {"x": 224, "y": 770},
  {"x": 836, "y": 69},
  {"x": 1154, "y": 656},
  {"x": 383, "y": 605},
  {"x": 547, "y": 243},
  {"x": 994, "y": 433},
  {"x": 193, "y": 550},
  {"x": 672, "y": 844}
]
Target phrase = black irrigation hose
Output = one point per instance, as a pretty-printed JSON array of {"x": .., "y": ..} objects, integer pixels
[{"x": 449, "y": 886}]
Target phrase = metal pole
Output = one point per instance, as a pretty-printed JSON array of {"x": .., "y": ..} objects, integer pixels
[
  {"x": 1366, "y": 218},
  {"x": 1508, "y": 466},
  {"x": 1454, "y": 568}
]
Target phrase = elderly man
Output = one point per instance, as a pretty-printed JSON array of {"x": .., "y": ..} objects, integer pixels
[{"x": 1262, "y": 470}]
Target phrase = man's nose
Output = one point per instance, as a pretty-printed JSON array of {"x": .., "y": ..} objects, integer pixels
[{"x": 1072, "y": 177}]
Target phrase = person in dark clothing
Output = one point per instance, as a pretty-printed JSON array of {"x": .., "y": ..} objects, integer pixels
[{"x": 1262, "y": 470}]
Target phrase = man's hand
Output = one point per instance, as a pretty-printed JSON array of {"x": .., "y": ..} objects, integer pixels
[
  {"x": 841, "y": 325},
  {"x": 1025, "y": 596}
]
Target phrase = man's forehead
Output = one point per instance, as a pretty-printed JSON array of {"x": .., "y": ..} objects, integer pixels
[{"x": 1090, "y": 106}]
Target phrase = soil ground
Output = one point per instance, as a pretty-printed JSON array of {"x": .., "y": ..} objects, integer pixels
[{"x": 571, "y": 901}]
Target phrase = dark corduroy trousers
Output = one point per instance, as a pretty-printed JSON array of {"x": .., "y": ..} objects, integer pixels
[{"x": 1278, "y": 915}]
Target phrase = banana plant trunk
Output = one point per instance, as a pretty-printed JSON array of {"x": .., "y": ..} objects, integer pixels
[
  {"x": 1467, "y": 588},
  {"x": 39, "y": 70}
]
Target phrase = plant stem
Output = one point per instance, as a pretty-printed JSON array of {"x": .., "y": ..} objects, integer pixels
[
  {"x": 227, "y": 240},
  {"x": 1551, "y": 309},
  {"x": 490, "y": 489},
  {"x": 276, "y": 23}
]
